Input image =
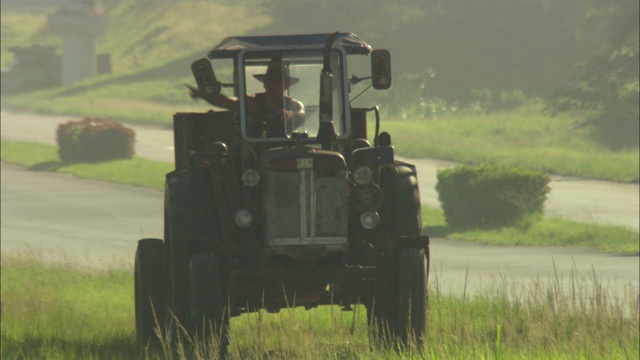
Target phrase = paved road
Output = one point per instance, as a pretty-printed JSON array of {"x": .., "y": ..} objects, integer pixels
[
  {"x": 108, "y": 219},
  {"x": 92, "y": 222},
  {"x": 97, "y": 223},
  {"x": 577, "y": 199}
]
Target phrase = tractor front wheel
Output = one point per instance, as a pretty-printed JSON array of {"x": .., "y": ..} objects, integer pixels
[
  {"x": 149, "y": 289},
  {"x": 210, "y": 322},
  {"x": 412, "y": 296}
]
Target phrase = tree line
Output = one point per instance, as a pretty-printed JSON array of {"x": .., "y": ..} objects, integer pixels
[{"x": 582, "y": 54}]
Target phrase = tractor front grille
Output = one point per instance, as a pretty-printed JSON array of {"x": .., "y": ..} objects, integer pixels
[{"x": 306, "y": 206}]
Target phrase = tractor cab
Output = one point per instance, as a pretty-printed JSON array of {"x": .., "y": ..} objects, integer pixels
[{"x": 304, "y": 77}]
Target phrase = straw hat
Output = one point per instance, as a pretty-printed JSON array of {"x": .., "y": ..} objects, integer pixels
[{"x": 274, "y": 70}]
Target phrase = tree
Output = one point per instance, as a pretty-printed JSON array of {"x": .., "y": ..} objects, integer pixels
[
  {"x": 451, "y": 48},
  {"x": 607, "y": 88}
]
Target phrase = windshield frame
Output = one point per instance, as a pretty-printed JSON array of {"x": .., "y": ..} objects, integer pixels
[{"x": 340, "y": 82}]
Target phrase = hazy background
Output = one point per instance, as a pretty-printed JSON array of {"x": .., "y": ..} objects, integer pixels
[
  {"x": 444, "y": 48},
  {"x": 480, "y": 55}
]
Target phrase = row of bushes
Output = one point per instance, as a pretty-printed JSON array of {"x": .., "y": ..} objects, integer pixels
[
  {"x": 486, "y": 196},
  {"x": 470, "y": 196},
  {"x": 94, "y": 140}
]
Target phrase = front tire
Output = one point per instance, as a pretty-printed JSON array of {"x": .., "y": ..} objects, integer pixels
[
  {"x": 190, "y": 218},
  {"x": 398, "y": 313},
  {"x": 209, "y": 321},
  {"x": 149, "y": 289},
  {"x": 412, "y": 296}
]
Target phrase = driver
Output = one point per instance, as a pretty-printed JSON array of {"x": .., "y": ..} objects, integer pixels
[{"x": 269, "y": 109}]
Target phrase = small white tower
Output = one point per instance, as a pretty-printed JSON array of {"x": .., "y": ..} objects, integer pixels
[{"x": 80, "y": 22}]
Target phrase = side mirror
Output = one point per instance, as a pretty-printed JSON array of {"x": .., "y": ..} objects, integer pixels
[
  {"x": 205, "y": 78},
  {"x": 381, "y": 69}
]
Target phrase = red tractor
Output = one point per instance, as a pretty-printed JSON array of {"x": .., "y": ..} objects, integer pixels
[{"x": 305, "y": 210}]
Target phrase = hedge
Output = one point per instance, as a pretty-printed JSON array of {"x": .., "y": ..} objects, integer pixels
[
  {"x": 489, "y": 195},
  {"x": 94, "y": 140}
]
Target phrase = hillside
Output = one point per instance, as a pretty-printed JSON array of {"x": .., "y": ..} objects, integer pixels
[
  {"x": 444, "y": 49},
  {"x": 159, "y": 31},
  {"x": 166, "y": 36}
]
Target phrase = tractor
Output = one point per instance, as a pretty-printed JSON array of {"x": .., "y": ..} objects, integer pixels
[{"x": 317, "y": 212}]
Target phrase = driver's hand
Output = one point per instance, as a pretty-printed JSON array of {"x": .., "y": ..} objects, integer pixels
[{"x": 193, "y": 91}]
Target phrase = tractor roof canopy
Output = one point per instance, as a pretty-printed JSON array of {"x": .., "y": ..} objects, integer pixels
[{"x": 231, "y": 46}]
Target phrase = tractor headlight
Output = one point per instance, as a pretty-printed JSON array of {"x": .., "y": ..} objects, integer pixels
[
  {"x": 243, "y": 218},
  {"x": 251, "y": 177},
  {"x": 362, "y": 175},
  {"x": 369, "y": 219}
]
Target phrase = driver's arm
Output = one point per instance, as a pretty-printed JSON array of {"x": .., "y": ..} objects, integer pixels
[
  {"x": 295, "y": 112},
  {"x": 216, "y": 99},
  {"x": 223, "y": 101}
]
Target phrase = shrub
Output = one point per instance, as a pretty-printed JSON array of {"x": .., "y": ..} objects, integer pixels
[
  {"x": 487, "y": 196},
  {"x": 94, "y": 140}
]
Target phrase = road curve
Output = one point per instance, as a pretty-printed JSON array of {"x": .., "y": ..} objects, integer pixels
[
  {"x": 582, "y": 200},
  {"x": 97, "y": 223}
]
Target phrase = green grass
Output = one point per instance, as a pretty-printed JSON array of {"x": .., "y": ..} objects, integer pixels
[
  {"x": 541, "y": 232},
  {"x": 526, "y": 137},
  {"x": 544, "y": 231},
  {"x": 62, "y": 311},
  {"x": 42, "y": 157}
]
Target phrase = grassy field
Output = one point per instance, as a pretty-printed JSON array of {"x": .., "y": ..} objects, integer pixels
[
  {"x": 42, "y": 157},
  {"x": 62, "y": 311},
  {"x": 543, "y": 232},
  {"x": 65, "y": 311},
  {"x": 526, "y": 137}
]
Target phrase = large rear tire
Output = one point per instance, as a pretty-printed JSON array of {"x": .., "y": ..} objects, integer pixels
[
  {"x": 149, "y": 290},
  {"x": 209, "y": 321}
]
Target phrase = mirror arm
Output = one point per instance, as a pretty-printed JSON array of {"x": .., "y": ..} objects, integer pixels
[{"x": 354, "y": 79}]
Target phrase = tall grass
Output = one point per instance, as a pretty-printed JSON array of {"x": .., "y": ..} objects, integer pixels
[{"x": 62, "y": 311}]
